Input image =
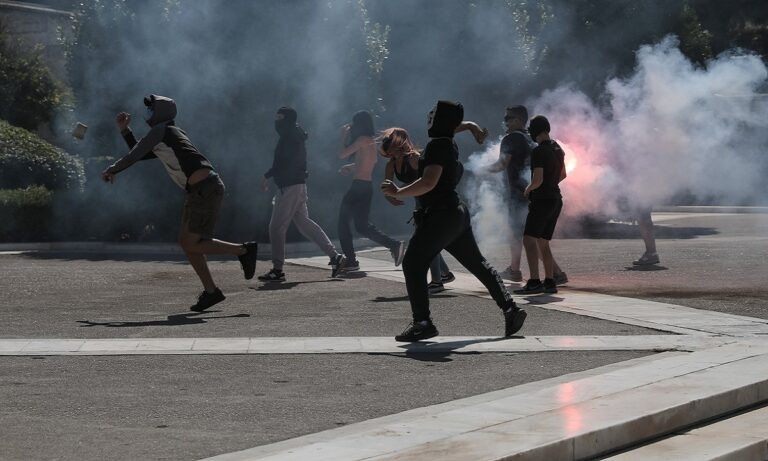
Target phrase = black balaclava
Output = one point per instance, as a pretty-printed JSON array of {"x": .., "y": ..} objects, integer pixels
[
  {"x": 362, "y": 125},
  {"x": 287, "y": 124},
  {"x": 539, "y": 124},
  {"x": 160, "y": 109},
  {"x": 446, "y": 117}
]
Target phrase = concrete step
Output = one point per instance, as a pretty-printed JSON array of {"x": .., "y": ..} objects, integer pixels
[
  {"x": 573, "y": 420},
  {"x": 740, "y": 438}
]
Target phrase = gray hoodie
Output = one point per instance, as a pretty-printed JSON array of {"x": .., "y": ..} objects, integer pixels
[{"x": 164, "y": 141}]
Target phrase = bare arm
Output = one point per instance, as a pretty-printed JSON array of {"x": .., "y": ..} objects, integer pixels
[
  {"x": 421, "y": 186},
  {"x": 478, "y": 132},
  {"x": 359, "y": 143},
  {"x": 500, "y": 164},
  {"x": 536, "y": 182}
]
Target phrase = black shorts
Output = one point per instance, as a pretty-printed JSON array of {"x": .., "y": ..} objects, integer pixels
[{"x": 542, "y": 217}]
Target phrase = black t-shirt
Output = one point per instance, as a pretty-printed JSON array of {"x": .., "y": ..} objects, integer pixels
[
  {"x": 549, "y": 156},
  {"x": 443, "y": 152},
  {"x": 518, "y": 146}
]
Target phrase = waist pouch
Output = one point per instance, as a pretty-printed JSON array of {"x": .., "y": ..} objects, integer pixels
[{"x": 421, "y": 214}]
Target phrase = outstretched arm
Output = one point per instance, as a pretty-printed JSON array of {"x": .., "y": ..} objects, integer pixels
[
  {"x": 478, "y": 132},
  {"x": 142, "y": 148}
]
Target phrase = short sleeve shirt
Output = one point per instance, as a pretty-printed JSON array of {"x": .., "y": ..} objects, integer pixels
[
  {"x": 518, "y": 146},
  {"x": 551, "y": 158},
  {"x": 443, "y": 152}
]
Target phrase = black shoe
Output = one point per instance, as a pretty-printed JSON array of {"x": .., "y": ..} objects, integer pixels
[
  {"x": 532, "y": 286},
  {"x": 448, "y": 277},
  {"x": 514, "y": 318},
  {"x": 273, "y": 275},
  {"x": 351, "y": 265},
  {"x": 435, "y": 287},
  {"x": 416, "y": 332},
  {"x": 549, "y": 286},
  {"x": 206, "y": 300},
  {"x": 337, "y": 264},
  {"x": 560, "y": 278},
  {"x": 248, "y": 260}
]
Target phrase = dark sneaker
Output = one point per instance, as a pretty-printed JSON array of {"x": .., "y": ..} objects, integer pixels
[
  {"x": 549, "y": 286},
  {"x": 560, "y": 278},
  {"x": 248, "y": 260},
  {"x": 337, "y": 264},
  {"x": 435, "y": 287},
  {"x": 398, "y": 252},
  {"x": 511, "y": 274},
  {"x": 351, "y": 266},
  {"x": 448, "y": 277},
  {"x": 206, "y": 300},
  {"x": 533, "y": 286},
  {"x": 514, "y": 318},
  {"x": 416, "y": 332},
  {"x": 647, "y": 259},
  {"x": 273, "y": 275}
]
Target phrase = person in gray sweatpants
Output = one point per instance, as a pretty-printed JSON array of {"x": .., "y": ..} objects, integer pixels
[{"x": 289, "y": 171}]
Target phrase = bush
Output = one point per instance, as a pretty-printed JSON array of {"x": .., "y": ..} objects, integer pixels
[
  {"x": 25, "y": 213},
  {"x": 26, "y": 160}
]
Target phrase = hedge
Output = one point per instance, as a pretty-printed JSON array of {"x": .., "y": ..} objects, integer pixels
[
  {"x": 26, "y": 160},
  {"x": 26, "y": 214}
]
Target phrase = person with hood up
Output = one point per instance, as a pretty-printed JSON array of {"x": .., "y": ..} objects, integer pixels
[
  {"x": 289, "y": 171},
  {"x": 443, "y": 222},
  {"x": 194, "y": 173},
  {"x": 357, "y": 139}
]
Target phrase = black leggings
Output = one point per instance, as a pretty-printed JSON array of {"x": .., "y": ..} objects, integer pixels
[
  {"x": 447, "y": 229},
  {"x": 356, "y": 207}
]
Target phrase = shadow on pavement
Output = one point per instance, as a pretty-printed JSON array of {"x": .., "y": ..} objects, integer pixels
[
  {"x": 171, "y": 321},
  {"x": 385, "y": 299},
  {"x": 273, "y": 286},
  {"x": 431, "y": 351},
  {"x": 646, "y": 268}
]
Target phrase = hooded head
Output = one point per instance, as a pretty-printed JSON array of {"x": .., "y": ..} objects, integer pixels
[
  {"x": 362, "y": 125},
  {"x": 285, "y": 120},
  {"x": 539, "y": 124},
  {"x": 159, "y": 109},
  {"x": 445, "y": 117}
]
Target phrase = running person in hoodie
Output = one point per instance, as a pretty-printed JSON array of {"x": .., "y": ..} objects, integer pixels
[
  {"x": 443, "y": 223},
  {"x": 194, "y": 173},
  {"x": 289, "y": 171},
  {"x": 357, "y": 139}
]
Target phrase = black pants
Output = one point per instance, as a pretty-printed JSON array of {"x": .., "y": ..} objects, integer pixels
[
  {"x": 447, "y": 229},
  {"x": 356, "y": 207}
]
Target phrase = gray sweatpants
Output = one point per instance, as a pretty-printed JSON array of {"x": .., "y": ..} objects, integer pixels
[{"x": 291, "y": 205}]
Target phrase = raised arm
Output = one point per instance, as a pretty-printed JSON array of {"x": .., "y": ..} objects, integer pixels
[{"x": 478, "y": 132}]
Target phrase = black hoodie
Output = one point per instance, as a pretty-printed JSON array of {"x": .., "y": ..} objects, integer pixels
[
  {"x": 442, "y": 151},
  {"x": 289, "y": 165}
]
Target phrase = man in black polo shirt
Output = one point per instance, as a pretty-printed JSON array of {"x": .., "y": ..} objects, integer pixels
[{"x": 547, "y": 170}]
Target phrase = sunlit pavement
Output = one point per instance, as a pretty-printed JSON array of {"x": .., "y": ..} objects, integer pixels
[{"x": 681, "y": 365}]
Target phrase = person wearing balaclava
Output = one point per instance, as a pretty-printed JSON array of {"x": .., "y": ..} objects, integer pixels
[
  {"x": 289, "y": 172},
  {"x": 357, "y": 140},
  {"x": 443, "y": 222},
  {"x": 545, "y": 204},
  {"x": 194, "y": 173}
]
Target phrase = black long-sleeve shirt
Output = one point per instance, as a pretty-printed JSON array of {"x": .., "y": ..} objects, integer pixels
[{"x": 289, "y": 166}]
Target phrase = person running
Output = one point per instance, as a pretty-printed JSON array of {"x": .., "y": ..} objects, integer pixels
[
  {"x": 403, "y": 164},
  {"x": 357, "y": 139},
  {"x": 546, "y": 202},
  {"x": 443, "y": 222},
  {"x": 194, "y": 173},
  {"x": 289, "y": 171}
]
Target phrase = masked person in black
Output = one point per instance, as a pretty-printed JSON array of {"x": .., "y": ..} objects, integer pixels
[
  {"x": 443, "y": 222},
  {"x": 289, "y": 171},
  {"x": 547, "y": 170},
  {"x": 194, "y": 173}
]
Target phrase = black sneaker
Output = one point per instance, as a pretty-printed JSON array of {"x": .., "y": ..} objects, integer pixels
[
  {"x": 398, "y": 252},
  {"x": 337, "y": 264},
  {"x": 273, "y": 275},
  {"x": 532, "y": 286},
  {"x": 416, "y": 332},
  {"x": 549, "y": 286},
  {"x": 560, "y": 278},
  {"x": 514, "y": 317},
  {"x": 435, "y": 287},
  {"x": 352, "y": 265},
  {"x": 206, "y": 300},
  {"x": 448, "y": 277},
  {"x": 248, "y": 260}
]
